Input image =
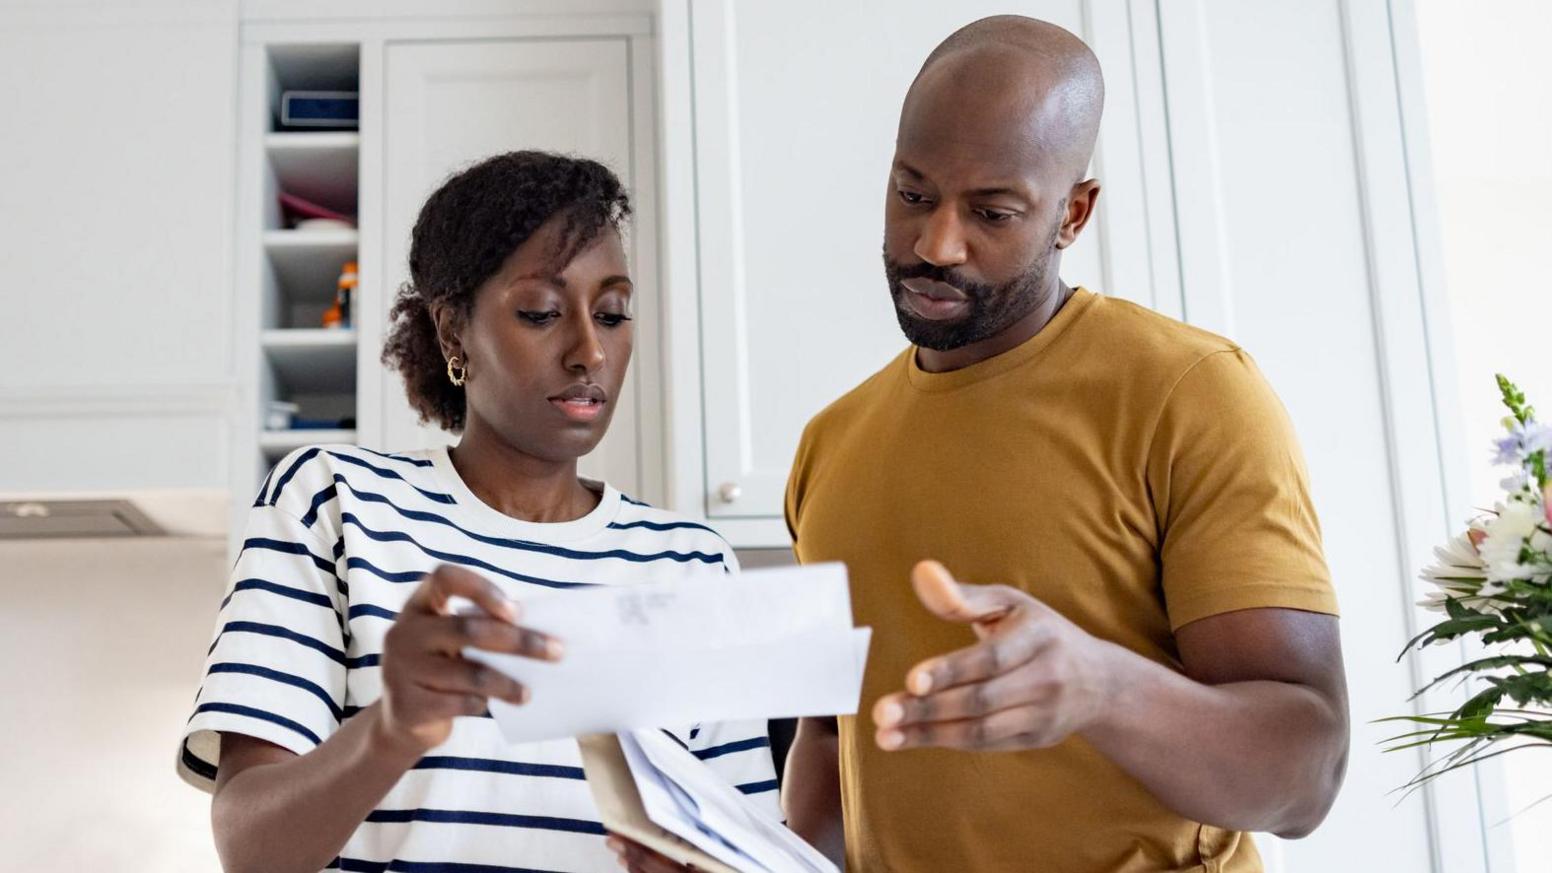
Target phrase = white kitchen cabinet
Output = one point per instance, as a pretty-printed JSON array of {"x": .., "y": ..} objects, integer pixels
[{"x": 449, "y": 104}]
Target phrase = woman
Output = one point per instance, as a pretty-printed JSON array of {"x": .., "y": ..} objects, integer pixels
[{"x": 337, "y": 724}]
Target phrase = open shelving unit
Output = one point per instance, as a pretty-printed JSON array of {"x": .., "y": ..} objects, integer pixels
[{"x": 299, "y": 360}]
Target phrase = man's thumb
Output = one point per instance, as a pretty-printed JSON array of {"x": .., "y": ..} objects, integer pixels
[{"x": 948, "y": 599}]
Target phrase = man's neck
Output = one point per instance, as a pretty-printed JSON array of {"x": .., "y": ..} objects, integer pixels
[
  {"x": 1016, "y": 334},
  {"x": 516, "y": 483}
]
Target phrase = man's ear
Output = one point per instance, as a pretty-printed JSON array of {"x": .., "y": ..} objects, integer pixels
[
  {"x": 449, "y": 328},
  {"x": 1081, "y": 202}
]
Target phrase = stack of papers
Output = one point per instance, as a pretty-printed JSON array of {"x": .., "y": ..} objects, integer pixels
[
  {"x": 765, "y": 644},
  {"x": 652, "y": 790}
]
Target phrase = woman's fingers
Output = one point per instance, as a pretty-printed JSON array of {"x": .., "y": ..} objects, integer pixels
[
  {"x": 448, "y": 581},
  {"x": 451, "y": 634},
  {"x": 455, "y": 676}
]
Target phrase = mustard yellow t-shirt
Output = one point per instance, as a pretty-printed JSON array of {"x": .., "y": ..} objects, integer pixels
[{"x": 1132, "y": 472}]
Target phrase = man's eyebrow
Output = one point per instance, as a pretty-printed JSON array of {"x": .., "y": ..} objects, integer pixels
[
  {"x": 916, "y": 175},
  {"x": 616, "y": 280}
]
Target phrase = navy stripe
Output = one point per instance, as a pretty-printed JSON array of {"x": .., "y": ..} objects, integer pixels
[
  {"x": 415, "y": 461},
  {"x": 449, "y": 557},
  {"x": 437, "y": 496},
  {"x": 197, "y": 765},
  {"x": 289, "y": 548},
  {"x": 261, "y": 715},
  {"x": 364, "y": 661},
  {"x": 661, "y": 525},
  {"x": 339, "y": 548},
  {"x": 362, "y": 609},
  {"x": 730, "y": 748},
  {"x": 284, "y": 591},
  {"x": 671, "y": 735},
  {"x": 286, "y": 479},
  {"x": 486, "y": 765},
  {"x": 312, "y": 688},
  {"x": 498, "y": 819},
  {"x": 272, "y": 630},
  {"x": 527, "y": 545},
  {"x": 356, "y": 865},
  {"x": 758, "y": 787},
  {"x": 264, "y": 489},
  {"x": 363, "y": 564},
  {"x": 633, "y": 501},
  {"x": 319, "y": 499}
]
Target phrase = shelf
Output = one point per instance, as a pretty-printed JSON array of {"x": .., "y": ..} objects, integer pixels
[
  {"x": 312, "y": 360},
  {"x": 307, "y": 262},
  {"x": 321, "y": 167},
  {"x": 274, "y": 443}
]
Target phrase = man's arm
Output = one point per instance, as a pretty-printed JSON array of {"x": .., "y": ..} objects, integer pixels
[
  {"x": 811, "y": 796},
  {"x": 1253, "y": 735}
]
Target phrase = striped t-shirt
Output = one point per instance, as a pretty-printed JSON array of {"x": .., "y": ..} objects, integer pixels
[{"x": 336, "y": 542}]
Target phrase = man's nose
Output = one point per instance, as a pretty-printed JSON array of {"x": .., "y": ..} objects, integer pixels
[{"x": 942, "y": 239}]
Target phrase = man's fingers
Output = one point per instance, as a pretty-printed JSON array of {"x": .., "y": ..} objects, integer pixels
[
  {"x": 448, "y": 581},
  {"x": 951, "y": 600},
  {"x": 998, "y": 653},
  {"x": 971, "y": 700},
  {"x": 1018, "y": 727}
]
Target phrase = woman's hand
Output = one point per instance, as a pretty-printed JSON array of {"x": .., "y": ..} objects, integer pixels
[
  {"x": 426, "y": 680},
  {"x": 639, "y": 859}
]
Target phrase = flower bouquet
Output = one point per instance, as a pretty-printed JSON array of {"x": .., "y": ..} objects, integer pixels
[{"x": 1494, "y": 583}]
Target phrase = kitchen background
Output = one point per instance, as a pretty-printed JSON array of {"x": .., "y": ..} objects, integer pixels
[{"x": 1357, "y": 190}]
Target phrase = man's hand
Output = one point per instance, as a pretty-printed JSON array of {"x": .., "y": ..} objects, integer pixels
[
  {"x": 426, "y": 680},
  {"x": 639, "y": 859},
  {"x": 1033, "y": 680}
]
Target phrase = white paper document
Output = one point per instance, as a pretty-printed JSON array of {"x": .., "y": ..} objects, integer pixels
[
  {"x": 686, "y": 798},
  {"x": 773, "y": 643}
]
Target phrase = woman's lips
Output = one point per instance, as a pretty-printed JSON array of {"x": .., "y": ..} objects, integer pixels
[
  {"x": 579, "y": 408},
  {"x": 934, "y": 301}
]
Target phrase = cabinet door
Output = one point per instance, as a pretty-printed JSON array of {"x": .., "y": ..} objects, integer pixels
[
  {"x": 448, "y": 104},
  {"x": 793, "y": 149}
]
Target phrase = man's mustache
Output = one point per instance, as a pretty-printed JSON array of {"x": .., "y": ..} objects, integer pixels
[{"x": 935, "y": 273}]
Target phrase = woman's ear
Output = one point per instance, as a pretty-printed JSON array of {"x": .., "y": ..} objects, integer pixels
[{"x": 449, "y": 328}]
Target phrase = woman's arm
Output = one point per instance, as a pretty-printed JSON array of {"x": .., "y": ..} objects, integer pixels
[
  {"x": 275, "y": 811},
  {"x": 811, "y": 796}
]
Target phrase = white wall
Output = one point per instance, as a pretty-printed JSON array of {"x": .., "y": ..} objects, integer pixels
[
  {"x": 102, "y": 643},
  {"x": 1488, "y": 78},
  {"x": 115, "y": 243}
]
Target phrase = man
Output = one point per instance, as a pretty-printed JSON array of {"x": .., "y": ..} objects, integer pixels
[{"x": 1148, "y": 663}]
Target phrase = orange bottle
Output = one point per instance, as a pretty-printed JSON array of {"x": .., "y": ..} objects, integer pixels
[{"x": 339, "y": 315}]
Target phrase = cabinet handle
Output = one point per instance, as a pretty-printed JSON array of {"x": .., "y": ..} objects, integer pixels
[{"x": 730, "y": 491}]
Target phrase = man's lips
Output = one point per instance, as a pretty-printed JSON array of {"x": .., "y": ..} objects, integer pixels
[
  {"x": 581, "y": 402},
  {"x": 933, "y": 300}
]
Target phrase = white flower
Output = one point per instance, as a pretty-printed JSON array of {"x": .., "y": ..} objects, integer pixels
[
  {"x": 1457, "y": 572},
  {"x": 1508, "y": 533},
  {"x": 1515, "y": 481},
  {"x": 1536, "y": 437}
]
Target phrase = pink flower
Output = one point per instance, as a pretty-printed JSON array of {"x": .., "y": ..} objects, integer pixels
[{"x": 1546, "y": 501}]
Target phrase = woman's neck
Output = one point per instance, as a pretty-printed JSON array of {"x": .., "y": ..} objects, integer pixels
[{"x": 516, "y": 483}]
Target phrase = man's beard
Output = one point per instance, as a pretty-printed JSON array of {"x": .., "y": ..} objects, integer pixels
[{"x": 993, "y": 308}]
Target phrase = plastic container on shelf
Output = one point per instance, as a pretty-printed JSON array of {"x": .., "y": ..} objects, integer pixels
[{"x": 339, "y": 315}]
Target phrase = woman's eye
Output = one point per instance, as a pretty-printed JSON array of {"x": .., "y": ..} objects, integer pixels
[
  {"x": 532, "y": 316},
  {"x": 612, "y": 319}
]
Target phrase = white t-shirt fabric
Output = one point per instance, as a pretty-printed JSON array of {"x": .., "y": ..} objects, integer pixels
[{"x": 337, "y": 540}]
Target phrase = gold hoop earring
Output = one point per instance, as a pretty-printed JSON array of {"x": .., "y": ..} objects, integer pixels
[{"x": 456, "y": 373}]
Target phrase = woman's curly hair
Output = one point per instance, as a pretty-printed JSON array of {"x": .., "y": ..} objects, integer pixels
[{"x": 465, "y": 231}]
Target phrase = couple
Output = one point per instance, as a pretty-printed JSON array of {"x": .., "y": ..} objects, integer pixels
[{"x": 1155, "y": 672}]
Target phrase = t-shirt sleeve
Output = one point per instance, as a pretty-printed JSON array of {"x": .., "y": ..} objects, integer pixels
[
  {"x": 276, "y": 669},
  {"x": 740, "y": 752},
  {"x": 1237, "y": 525}
]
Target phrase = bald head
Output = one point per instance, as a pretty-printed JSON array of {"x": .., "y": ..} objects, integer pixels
[{"x": 1012, "y": 83}]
